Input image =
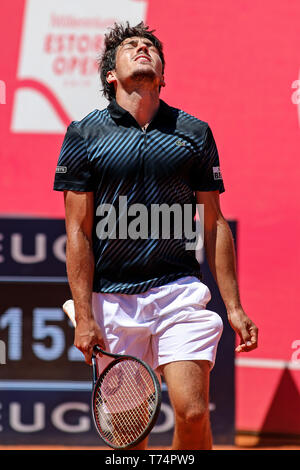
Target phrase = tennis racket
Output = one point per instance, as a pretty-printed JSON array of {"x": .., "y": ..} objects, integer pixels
[{"x": 126, "y": 396}]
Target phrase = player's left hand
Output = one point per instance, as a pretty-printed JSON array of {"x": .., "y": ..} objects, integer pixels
[{"x": 245, "y": 328}]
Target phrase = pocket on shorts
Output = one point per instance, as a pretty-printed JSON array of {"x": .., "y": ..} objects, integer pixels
[
  {"x": 217, "y": 322},
  {"x": 207, "y": 295},
  {"x": 203, "y": 292},
  {"x": 194, "y": 290}
]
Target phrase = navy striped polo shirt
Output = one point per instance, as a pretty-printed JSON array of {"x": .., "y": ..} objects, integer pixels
[{"x": 143, "y": 181}]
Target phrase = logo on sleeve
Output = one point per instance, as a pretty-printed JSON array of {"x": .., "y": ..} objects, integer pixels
[
  {"x": 61, "y": 169},
  {"x": 217, "y": 173}
]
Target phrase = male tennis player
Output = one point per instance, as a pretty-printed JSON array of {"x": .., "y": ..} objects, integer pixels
[{"x": 137, "y": 290}]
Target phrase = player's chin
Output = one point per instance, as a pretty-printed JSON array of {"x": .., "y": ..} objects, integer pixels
[{"x": 144, "y": 72}]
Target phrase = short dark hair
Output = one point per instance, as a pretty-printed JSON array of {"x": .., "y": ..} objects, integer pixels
[{"x": 117, "y": 34}]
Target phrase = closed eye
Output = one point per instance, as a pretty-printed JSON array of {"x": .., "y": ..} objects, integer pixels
[{"x": 134, "y": 43}]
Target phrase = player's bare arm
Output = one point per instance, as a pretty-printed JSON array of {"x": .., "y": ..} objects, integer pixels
[
  {"x": 80, "y": 268},
  {"x": 220, "y": 254}
]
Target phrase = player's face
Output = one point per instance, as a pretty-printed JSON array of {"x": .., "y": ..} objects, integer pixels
[{"x": 137, "y": 57}]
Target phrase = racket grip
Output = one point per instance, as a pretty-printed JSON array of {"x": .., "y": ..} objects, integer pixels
[{"x": 96, "y": 350}]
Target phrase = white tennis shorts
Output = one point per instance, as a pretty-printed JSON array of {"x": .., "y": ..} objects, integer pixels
[{"x": 164, "y": 324}]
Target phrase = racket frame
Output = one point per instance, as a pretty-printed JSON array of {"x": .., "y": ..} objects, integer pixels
[
  {"x": 97, "y": 379},
  {"x": 68, "y": 308}
]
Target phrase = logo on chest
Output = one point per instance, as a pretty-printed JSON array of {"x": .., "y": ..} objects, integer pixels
[{"x": 180, "y": 143}]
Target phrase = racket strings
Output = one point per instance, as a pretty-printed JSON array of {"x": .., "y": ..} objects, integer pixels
[
  {"x": 122, "y": 428},
  {"x": 132, "y": 414},
  {"x": 125, "y": 402}
]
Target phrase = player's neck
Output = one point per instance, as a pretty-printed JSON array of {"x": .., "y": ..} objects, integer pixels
[{"x": 141, "y": 104}]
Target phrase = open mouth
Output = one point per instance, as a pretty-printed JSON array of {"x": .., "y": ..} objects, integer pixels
[{"x": 144, "y": 57}]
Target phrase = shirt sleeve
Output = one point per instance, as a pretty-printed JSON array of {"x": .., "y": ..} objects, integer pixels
[
  {"x": 73, "y": 171},
  {"x": 207, "y": 174}
]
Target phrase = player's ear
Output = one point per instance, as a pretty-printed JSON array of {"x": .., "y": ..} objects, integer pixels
[
  {"x": 162, "y": 81},
  {"x": 110, "y": 76}
]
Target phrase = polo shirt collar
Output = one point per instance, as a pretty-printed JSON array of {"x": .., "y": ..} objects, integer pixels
[{"x": 117, "y": 112}]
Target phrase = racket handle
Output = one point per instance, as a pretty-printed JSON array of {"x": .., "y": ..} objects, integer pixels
[
  {"x": 94, "y": 367},
  {"x": 96, "y": 350}
]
